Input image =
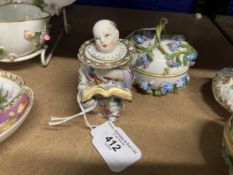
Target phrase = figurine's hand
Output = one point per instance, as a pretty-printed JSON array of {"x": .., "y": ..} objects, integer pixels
[
  {"x": 114, "y": 74},
  {"x": 117, "y": 74}
]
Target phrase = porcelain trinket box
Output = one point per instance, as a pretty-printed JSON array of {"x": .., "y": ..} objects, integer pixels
[
  {"x": 161, "y": 62},
  {"x": 227, "y": 149},
  {"x": 222, "y": 88}
]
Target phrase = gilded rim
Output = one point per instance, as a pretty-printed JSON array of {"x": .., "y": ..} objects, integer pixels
[
  {"x": 29, "y": 93},
  {"x": 107, "y": 64},
  {"x": 112, "y": 91},
  {"x": 227, "y": 137},
  {"x": 12, "y": 77},
  {"x": 159, "y": 75}
]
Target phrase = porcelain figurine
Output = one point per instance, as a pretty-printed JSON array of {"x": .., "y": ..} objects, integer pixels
[
  {"x": 16, "y": 101},
  {"x": 222, "y": 88},
  {"x": 161, "y": 62},
  {"x": 104, "y": 72},
  {"x": 227, "y": 149}
]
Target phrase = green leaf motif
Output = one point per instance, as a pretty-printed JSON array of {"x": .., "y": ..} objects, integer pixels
[
  {"x": 150, "y": 55},
  {"x": 37, "y": 39},
  {"x": 133, "y": 41},
  {"x": 185, "y": 61},
  {"x": 157, "y": 93},
  {"x": 39, "y": 3},
  {"x": 149, "y": 91},
  {"x": 159, "y": 29},
  {"x": 180, "y": 55},
  {"x": 2, "y": 52},
  {"x": 178, "y": 60},
  {"x": 3, "y": 97},
  {"x": 166, "y": 70}
]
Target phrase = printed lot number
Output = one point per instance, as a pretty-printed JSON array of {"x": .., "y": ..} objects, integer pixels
[{"x": 113, "y": 144}]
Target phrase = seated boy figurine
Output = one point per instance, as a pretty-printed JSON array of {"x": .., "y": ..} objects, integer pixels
[{"x": 105, "y": 76}]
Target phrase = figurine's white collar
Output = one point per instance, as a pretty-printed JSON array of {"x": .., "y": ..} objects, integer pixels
[
  {"x": 118, "y": 53},
  {"x": 122, "y": 54}
]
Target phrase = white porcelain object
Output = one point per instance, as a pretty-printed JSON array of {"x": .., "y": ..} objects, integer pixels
[
  {"x": 227, "y": 145},
  {"x": 105, "y": 78},
  {"x": 222, "y": 88},
  {"x": 16, "y": 100},
  {"x": 106, "y": 36},
  {"x": 104, "y": 73},
  {"x": 51, "y": 6},
  {"x": 161, "y": 62},
  {"x": 23, "y": 30}
]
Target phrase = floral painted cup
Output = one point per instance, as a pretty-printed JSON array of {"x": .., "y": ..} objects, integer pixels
[
  {"x": 51, "y": 6},
  {"x": 23, "y": 30}
]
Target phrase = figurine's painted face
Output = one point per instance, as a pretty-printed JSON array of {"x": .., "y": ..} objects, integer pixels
[{"x": 106, "y": 35}]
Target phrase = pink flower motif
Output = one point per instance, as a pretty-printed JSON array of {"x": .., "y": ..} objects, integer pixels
[
  {"x": 53, "y": 7},
  {"x": 46, "y": 37},
  {"x": 11, "y": 57}
]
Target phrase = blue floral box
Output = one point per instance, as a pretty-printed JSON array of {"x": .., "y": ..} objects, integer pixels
[{"x": 161, "y": 62}]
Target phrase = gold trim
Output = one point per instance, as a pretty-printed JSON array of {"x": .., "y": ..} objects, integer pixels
[
  {"x": 227, "y": 138},
  {"x": 97, "y": 63},
  {"x": 228, "y": 144},
  {"x": 7, "y": 124},
  {"x": 159, "y": 75},
  {"x": 12, "y": 77},
  {"x": 106, "y": 93},
  {"x": 29, "y": 93}
]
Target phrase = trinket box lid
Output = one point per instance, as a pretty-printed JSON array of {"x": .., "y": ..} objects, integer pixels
[
  {"x": 222, "y": 87},
  {"x": 161, "y": 55}
]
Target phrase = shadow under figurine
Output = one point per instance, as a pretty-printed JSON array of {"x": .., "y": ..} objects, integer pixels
[{"x": 105, "y": 76}]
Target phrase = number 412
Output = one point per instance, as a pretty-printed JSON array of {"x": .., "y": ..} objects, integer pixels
[{"x": 113, "y": 143}]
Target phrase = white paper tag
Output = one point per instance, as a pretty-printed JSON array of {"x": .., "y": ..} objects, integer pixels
[{"x": 116, "y": 148}]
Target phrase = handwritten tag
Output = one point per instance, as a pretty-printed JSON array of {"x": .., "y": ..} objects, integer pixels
[{"x": 116, "y": 148}]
